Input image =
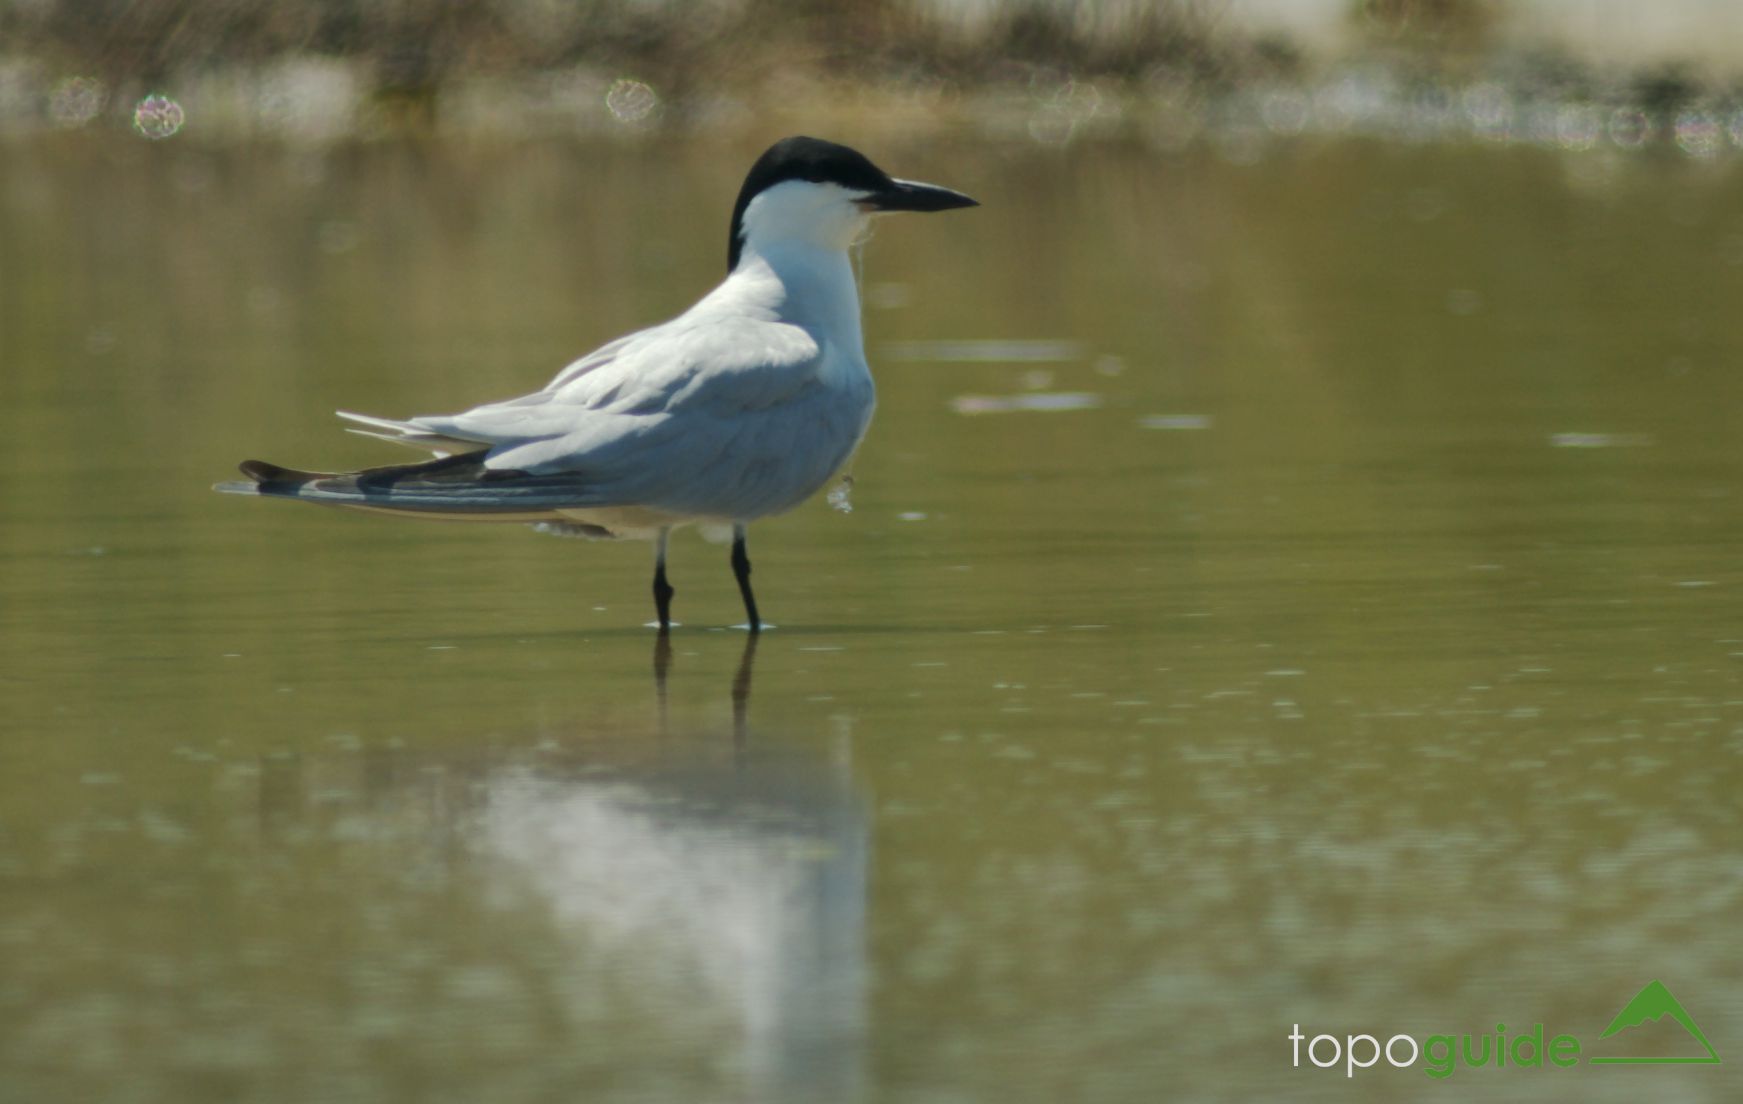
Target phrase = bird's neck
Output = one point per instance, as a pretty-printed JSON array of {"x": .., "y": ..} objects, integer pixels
[{"x": 805, "y": 284}]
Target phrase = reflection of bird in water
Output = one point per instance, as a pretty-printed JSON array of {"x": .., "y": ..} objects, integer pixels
[
  {"x": 740, "y": 408},
  {"x": 740, "y": 682},
  {"x": 690, "y": 904},
  {"x": 741, "y": 882}
]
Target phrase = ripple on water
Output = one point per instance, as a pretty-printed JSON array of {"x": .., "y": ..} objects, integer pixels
[
  {"x": 1175, "y": 421},
  {"x": 984, "y": 351},
  {"x": 1600, "y": 440},
  {"x": 1045, "y": 402}
]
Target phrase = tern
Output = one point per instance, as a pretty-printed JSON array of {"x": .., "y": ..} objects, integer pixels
[{"x": 738, "y": 409}]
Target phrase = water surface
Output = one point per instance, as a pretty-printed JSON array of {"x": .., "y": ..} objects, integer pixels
[{"x": 1300, "y": 591}]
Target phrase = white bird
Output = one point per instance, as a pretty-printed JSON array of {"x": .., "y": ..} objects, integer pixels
[{"x": 740, "y": 408}]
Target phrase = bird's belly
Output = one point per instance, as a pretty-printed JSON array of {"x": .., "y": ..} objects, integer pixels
[
  {"x": 778, "y": 458},
  {"x": 623, "y": 522}
]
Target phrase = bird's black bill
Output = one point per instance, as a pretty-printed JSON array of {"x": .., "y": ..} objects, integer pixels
[{"x": 911, "y": 195}]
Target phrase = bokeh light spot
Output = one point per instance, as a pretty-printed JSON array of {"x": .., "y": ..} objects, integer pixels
[
  {"x": 1629, "y": 127},
  {"x": 631, "y": 102},
  {"x": 1699, "y": 134},
  {"x": 158, "y": 117},
  {"x": 75, "y": 101}
]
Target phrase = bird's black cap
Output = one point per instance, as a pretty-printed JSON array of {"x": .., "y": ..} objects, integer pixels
[{"x": 822, "y": 162}]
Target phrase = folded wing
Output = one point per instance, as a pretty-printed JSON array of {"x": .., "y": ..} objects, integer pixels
[{"x": 639, "y": 417}]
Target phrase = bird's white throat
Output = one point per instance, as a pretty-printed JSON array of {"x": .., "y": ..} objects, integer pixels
[
  {"x": 795, "y": 266},
  {"x": 799, "y": 212}
]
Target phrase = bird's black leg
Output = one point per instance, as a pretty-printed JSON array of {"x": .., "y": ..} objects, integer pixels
[
  {"x": 662, "y": 589},
  {"x": 741, "y": 572}
]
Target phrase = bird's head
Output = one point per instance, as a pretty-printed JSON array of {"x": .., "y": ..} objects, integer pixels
[{"x": 822, "y": 194}]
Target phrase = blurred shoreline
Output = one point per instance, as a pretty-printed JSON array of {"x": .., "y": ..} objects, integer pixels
[{"x": 1239, "y": 74}]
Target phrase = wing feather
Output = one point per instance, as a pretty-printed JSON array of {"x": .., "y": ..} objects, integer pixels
[
  {"x": 727, "y": 368},
  {"x": 696, "y": 417}
]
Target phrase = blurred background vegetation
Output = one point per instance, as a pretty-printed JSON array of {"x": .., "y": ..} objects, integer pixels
[{"x": 1058, "y": 69}]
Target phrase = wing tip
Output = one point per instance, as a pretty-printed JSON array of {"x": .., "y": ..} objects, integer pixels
[
  {"x": 268, "y": 478},
  {"x": 259, "y": 473},
  {"x": 262, "y": 472}
]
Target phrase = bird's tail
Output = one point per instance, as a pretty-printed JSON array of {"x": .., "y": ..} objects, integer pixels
[
  {"x": 410, "y": 434},
  {"x": 458, "y": 487}
]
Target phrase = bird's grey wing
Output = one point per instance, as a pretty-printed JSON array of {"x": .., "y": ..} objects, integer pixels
[
  {"x": 440, "y": 434},
  {"x": 739, "y": 422},
  {"x": 669, "y": 382},
  {"x": 685, "y": 417},
  {"x": 599, "y": 358}
]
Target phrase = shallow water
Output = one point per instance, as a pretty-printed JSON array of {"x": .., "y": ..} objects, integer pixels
[{"x": 1293, "y": 592}]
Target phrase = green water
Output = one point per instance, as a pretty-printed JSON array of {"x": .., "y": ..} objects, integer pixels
[{"x": 1362, "y": 652}]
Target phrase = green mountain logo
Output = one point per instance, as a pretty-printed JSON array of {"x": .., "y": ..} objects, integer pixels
[{"x": 1654, "y": 1003}]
